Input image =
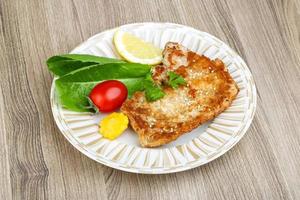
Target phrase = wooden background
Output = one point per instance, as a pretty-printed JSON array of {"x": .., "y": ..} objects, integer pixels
[{"x": 37, "y": 162}]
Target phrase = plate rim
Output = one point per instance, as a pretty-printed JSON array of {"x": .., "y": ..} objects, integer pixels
[{"x": 163, "y": 170}]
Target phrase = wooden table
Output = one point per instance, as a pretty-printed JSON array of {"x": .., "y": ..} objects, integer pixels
[{"x": 37, "y": 162}]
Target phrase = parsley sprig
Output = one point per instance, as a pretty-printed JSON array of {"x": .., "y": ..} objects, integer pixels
[
  {"x": 175, "y": 80},
  {"x": 153, "y": 91}
]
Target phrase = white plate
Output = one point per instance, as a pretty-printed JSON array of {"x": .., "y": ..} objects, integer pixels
[{"x": 201, "y": 146}]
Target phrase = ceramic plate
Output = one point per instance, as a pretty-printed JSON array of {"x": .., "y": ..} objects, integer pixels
[{"x": 193, "y": 149}]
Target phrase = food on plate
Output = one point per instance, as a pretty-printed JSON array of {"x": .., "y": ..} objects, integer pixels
[
  {"x": 135, "y": 50},
  {"x": 113, "y": 125},
  {"x": 207, "y": 90},
  {"x": 161, "y": 103},
  {"x": 74, "y": 88},
  {"x": 108, "y": 96}
]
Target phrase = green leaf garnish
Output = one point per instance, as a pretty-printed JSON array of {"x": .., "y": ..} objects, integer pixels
[
  {"x": 64, "y": 64},
  {"x": 74, "y": 87},
  {"x": 175, "y": 80},
  {"x": 153, "y": 92}
]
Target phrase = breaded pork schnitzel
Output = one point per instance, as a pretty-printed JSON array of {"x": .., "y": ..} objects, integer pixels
[{"x": 209, "y": 90}]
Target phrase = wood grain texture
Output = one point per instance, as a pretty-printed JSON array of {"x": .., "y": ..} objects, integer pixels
[{"x": 38, "y": 163}]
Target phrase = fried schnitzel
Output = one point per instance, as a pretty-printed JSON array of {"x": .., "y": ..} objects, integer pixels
[{"x": 209, "y": 91}]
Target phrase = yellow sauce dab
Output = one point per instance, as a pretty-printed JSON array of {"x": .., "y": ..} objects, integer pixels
[{"x": 113, "y": 125}]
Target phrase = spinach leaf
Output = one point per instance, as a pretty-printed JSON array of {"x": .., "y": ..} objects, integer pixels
[
  {"x": 73, "y": 88},
  {"x": 63, "y": 64}
]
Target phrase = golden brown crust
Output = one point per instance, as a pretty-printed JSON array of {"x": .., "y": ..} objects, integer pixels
[{"x": 209, "y": 91}]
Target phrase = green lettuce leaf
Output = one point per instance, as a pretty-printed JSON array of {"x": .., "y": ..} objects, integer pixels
[
  {"x": 74, "y": 88},
  {"x": 64, "y": 64}
]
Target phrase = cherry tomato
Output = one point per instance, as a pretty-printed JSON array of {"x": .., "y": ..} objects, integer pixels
[{"x": 109, "y": 95}]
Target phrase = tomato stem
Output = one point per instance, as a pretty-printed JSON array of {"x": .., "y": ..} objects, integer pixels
[{"x": 92, "y": 105}]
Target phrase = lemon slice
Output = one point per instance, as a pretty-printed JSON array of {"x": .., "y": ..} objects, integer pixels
[{"x": 134, "y": 49}]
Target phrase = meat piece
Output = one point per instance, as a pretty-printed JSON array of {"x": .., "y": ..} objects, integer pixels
[{"x": 209, "y": 91}]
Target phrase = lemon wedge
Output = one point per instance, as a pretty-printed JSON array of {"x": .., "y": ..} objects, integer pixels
[{"x": 135, "y": 50}]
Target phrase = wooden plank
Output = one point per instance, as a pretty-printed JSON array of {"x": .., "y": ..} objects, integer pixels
[
  {"x": 42, "y": 163},
  {"x": 5, "y": 187},
  {"x": 5, "y": 190}
]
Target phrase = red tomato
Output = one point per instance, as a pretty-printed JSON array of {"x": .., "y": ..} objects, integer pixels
[{"x": 109, "y": 95}]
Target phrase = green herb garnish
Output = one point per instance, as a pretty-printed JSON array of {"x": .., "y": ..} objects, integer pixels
[
  {"x": 153, "y": 91},
  {"x": 175, "y": 80}
]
